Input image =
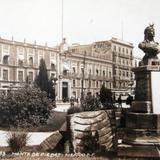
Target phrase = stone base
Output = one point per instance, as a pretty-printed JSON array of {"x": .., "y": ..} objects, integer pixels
[
  {"x": 142, "y": 121},
  {"x": 138, "y": 151},
  {"x": 141, "y": 106},
  {"x": 142, "y": 135}
]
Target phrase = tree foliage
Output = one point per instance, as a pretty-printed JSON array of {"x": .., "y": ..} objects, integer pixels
[
  {"x": 106, "y": 96},
  {"x": 43, "y": 82},
  {"x": 91, "y": 103},
  {"x": 25, "y": 107}
]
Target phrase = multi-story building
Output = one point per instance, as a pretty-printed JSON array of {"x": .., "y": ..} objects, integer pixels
[
  {"x": 19, "y": 61},
  {"x": 95, "y": 60},
  {"x": 80, "y": 67},
  {"x": 122, "y": 64}
]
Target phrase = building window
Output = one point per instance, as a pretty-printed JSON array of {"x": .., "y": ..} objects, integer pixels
[
  {"x": 82, "y": 70},
  {"x": 30, "y": 61},
  {"x": 20, "y": 50},
  {"x": 52, "y": 75},
  {"x": 119, "y": 49},
  {"x": 127, "y": 63},
  {"x": 123, "y": 73},
  {"x": 97, "y": 84},
  {"x": 97, "y": 72},
  {"x": 5, "y": 75},
  {"x": 30, "y": 76},
  {"x": 20, "y": 76},
  {"x": 103, "y": 73},
  {"x": 127, "y": 74},
  {"x": 126, "y": 50},
  {"x": 114, "y": 48},
  {"x": 110, "y": 74},
  {"x": 90, "y": 71},
  {"x": 53, "y": 67},
  {"x": 5, "y": 59},
  {"x": 73, "y": 69},
  {"x": 20, "y": 62},
  {"x": 6, "y": 49},
  {"x": 123, "y": 50},
  {"x": 119, "y": 73},
  {"x": 82, "y": 82},
  {"x": 64, "y": 72},
  {"x": 74, "y": 83},
  {"x": 89, "y": 85},
  {"x": 119, "y": 60},
  {"x": 110, "y": 85}
]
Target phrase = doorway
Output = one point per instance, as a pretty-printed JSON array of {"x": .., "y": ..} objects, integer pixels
[{"x": 65, "y": 91}]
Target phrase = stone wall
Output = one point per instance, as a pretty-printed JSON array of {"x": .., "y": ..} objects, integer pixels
[{"x": 98, "y": 125}]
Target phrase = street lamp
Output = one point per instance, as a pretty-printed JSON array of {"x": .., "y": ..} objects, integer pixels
[{"x": 53, "y": 90}]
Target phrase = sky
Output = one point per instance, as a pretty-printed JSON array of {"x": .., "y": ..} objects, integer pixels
[{"x": 84, "y": 21}]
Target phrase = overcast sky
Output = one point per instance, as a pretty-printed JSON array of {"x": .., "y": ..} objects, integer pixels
[{"x": 85, "y": 21}]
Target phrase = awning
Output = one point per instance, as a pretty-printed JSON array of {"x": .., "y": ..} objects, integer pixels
[
  {"x": 53, "y": 61},
  {"x": 66, "y": 67},
  {"x": 21, "y": 57}
]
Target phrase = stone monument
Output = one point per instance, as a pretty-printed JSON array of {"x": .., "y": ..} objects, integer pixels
[{"x": 142, "y": 128}]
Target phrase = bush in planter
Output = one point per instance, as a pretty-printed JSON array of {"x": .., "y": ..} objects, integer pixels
[
  {"x": 106, "y": 98},
  {"x": 25, "y": 107},
  {"x": 91, "y": 103},
  {"x": 17, "y": 140}
]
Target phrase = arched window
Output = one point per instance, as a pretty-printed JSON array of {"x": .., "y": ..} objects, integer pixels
[
  {"x": 30, "y": 61},
  {"x": 5, "y": 59}
]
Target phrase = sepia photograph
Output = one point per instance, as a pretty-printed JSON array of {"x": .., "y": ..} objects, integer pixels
[{"x": 79, "y": 79}]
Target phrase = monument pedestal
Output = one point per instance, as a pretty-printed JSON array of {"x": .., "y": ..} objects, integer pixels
[{"x": 142, "y": 132}]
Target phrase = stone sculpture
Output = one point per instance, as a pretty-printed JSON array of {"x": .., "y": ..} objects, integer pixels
[
  {"x": 149, "y": 46},
  {"x": 142, "y": 128}
]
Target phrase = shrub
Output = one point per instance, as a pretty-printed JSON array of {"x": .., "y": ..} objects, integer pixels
[
  {"x": 74, "y": 109},
  {"x": 106, "y": 97},
  {"x": 43, "y": 82},
  {"x": 91, "y": 103},
  {"x": 17, "y": 140},
  {"x": 25, "y": 107}
]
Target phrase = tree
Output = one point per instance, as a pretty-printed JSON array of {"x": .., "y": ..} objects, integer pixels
[
  {"x": 91, "y": 103},
  {"x": 25, "y": 107},
  {"x": 106, "y": 96},
  {"x": 42, "y": 80}
]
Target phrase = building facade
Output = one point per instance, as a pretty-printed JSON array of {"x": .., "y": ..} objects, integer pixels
[
  {"x": 90, "y": 67},
  {"x": 122, "y": 65},
  {"x": 77, "y": 68},
  {"x": 20, "y": 61}
]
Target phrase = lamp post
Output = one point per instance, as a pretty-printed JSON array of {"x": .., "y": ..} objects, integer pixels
[
  {"x": 82, "y": 89},
  {"x": 54, "y": 86}
]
